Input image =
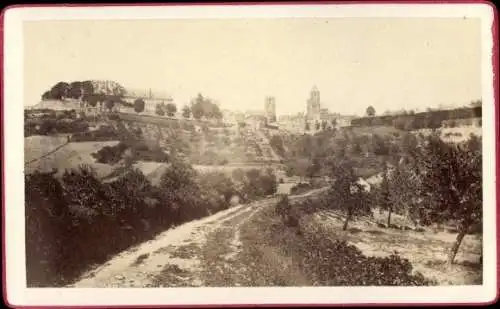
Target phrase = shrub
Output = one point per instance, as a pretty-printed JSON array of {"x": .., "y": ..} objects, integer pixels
[
  {"x": 50, "y": 125},
  {"x": 336, "y": 263},
  {"x": 110, "y": 154},
  {"x": 283, "y": 207}
]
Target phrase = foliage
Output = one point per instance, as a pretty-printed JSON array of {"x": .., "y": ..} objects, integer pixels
[
  {"x": 171, "y": 109},
  {"x": 160, "y": 109},
  {"x": 370, "y": 111},
  {"x": 204, "y": 107},
  {"x": 139, "y": 105},
  {"x": 258, "y": 184},
  {"x": 346, "y": 194},
  {"x": 451, "y": 184},
  {"x": 83, "y": 89},
  {"x": 110, "y": 154},
  {"x": 277, "y": 144},
  {"x": 414, "y": 121},
  {"x": 110, "y": 103},
  {"x": 331, "y": 262},
  {"x": 52, "y": 122},
  {"x": 67, "y": 218},
  {"x": 186, "y": 112}
]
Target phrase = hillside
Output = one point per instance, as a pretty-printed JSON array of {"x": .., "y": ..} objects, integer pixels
[{"x": 207, "y": 146}]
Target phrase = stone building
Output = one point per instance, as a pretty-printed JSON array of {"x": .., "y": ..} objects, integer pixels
[
  {"x": 313, "y": 106},
  {"x": 270, "y": 109}
]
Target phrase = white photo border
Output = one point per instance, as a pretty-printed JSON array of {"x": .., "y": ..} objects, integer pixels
[{"x": 17, "y": 294}]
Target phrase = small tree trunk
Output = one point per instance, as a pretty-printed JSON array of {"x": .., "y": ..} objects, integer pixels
[
  {"x": 346, "y": 222},
  {"x": 456, "y": 245},
  {"x": 389, "y": 217}
]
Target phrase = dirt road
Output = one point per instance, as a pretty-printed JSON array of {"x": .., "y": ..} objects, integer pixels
[{"x": 197, "y": 253}]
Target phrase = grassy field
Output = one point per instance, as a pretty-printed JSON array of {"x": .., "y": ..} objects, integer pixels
[
  {"x": 38, "y": 145},
  {"x": 71, "y": 156},
  {"x": 426, "y": 250}
]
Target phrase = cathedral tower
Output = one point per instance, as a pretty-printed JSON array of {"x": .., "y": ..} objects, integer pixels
[
  {"x": 313, "y": 105},
  {"x": 270, "y": 109}
]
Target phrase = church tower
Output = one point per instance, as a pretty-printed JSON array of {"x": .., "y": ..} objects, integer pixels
[
  {"x": 313, "y": 105},
  {"x": 270, "y": 109}
]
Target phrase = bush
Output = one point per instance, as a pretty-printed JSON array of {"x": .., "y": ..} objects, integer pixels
[
  {"x": 336, "y": 263},
  {"x": 283, "y": 207},
  {"x": 141, "y": 151},
  {"x": 114, "y": 117},
  {"x": 110, "y": 154},
  {"x": 53, "y": 126}
]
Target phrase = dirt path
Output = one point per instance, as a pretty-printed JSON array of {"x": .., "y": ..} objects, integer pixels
[
  {"x": 139, "y": 266},
  {"x": 198, "y": 253}
]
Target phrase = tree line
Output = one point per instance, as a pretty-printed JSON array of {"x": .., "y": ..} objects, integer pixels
[
  {"x": 413, "y": 121},
  {"x": 85, "y": 89},
  {"x": 200, "y": 107}
]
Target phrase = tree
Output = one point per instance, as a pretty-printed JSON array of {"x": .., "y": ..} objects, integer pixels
[
  {"x": 46, "y": 95},
  {"x": 84, "y": 191},
  {"x": 313, "y": 169},
  {"x": 197, "y": 107},
  {"x": 171, "y": 109},
  {"x": 323, "y": 125},
  {"x": 110, "y": 103},
  {"x": 380, "y": 145},
  {"x": 384, "y": 194},
  {"x": 75, "y": 90},
  {"x": 160, "y": 109},
  {"x": 204, "y": 107},
  {"x": 93, "y": 100},
  {"x": 451, "y": 179},
  {"x": 60, "y": 91},
  {"x": 222, "y": 184},
  {"x": 277, "y": 144},
  {"x": 186, "y": 112},
  {"x": 139, "y": 105},
  {"x": 180, "y": 192},
  {"x": 46, "y": 225},
  {"x": 355, "y": 145},
  {"x": 370, "y": 111},
  {"x": 88, "y": 87},
  {"x": 346, "y": 194}
]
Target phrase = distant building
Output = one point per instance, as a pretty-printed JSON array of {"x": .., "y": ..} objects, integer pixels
[
  {"x": 255, "y": 122},
  {"x": 270, "y": 109},
  {"x": 314, "y": 106},
  {"x": 292, "y": 123}
]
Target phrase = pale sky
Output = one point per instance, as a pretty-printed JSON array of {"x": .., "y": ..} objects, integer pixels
[{"x": 354, "y": 62}]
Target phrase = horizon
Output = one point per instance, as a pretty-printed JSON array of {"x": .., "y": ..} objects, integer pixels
[{"x": 388, "y": 63}]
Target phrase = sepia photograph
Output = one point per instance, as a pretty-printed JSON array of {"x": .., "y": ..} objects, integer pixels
[{"x": 254, "y": 148}]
